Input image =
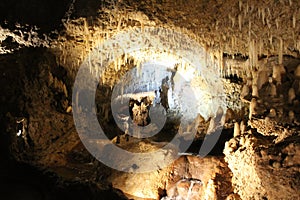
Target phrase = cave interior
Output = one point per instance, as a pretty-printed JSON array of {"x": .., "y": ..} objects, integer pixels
[{"x": 155, "y": 99}]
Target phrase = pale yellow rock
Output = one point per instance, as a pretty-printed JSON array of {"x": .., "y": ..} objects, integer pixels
[
  {"x": 291, "y": 115},
  {"x": 252, "y": 108},
  {"x": 272, "y": 113},
  {"x": 242, "y": 127},
  {"x": 255, "y": 91},
  {"x": 69, "y": 109},
  {"x": 297, "y": 72},
  {"x": 236, "y": 131},
  {"x": 291, "y": 95}
]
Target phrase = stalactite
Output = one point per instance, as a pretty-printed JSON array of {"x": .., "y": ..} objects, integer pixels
[
  {"x": 269, "y": 12},
  {"x": 119, "y": 23},
  {"x": 277, "y": 23},
  {"x": 240, "y": 22},
  {"x": 240, "y": 5},
  {"x": 268, "y": 23},
  {"x": 261, "y": 46},
  {"x": 220, "y": 62},
  {"x": 233, "y": 42},
  {"x": 263, "y": 15},
  {"x": 280, "y": 53},
  {"x": 232, "y": 20},
  {"x": 249, "y": 29},
  {"x": 294, "y": 21},
  {"x": 253, "y": 56},
  {"x": 246, "y": 9},
  {"x": 227, "y": 71},
  {"x": 271, "y": 40}
]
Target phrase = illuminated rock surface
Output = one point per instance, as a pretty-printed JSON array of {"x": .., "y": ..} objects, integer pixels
[{"x": 248, "y": 48}]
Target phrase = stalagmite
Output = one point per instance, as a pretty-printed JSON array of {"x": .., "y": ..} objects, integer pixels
[
  {"x": 277, "y": 71},
  {"x": 242, "y": 127},
  {"x": 242, "y": 141},
  {"x": 245, "y": 91},
  {"x": 180, "y": 130},
  {"x": 272, "y": 113},
  {"x": 255, "y": 83},
  {"x": 229, "y": 115},
  {"x": 255, "y": 90},
  {"x": 252, "y": 108},
  {"x": 262, "y": 78},
  {"x": 297, "y": 72},
  {"x": 273, "y": 90},
  {"x": 291, "y": 95},
  {"x": 236, "y": 131},
  {"x": 291, "y": 115},
  {"x": 188, "y": 128}
]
